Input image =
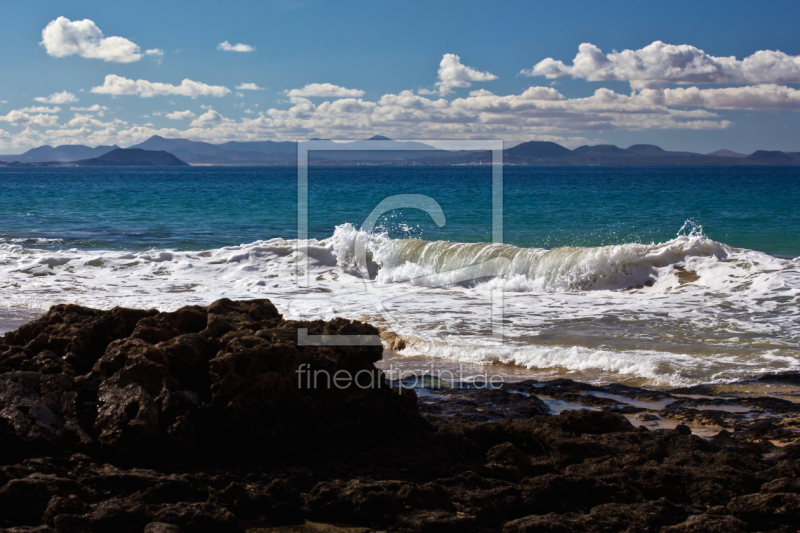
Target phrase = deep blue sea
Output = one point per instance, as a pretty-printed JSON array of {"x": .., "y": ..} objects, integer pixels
[
  {"x": 667, "y": 275},
  {"x": 547, "y": 207}
]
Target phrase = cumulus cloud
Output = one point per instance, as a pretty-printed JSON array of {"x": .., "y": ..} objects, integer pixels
[
  {"x": 63, "y": 37},
  {"x": 659, "y": 63},
  {"x": 181, "y": 115},
  {"x": 41, "y": 109},
  {"x": 249, "y": 87},
  {"x": 228, "y": 47},
  {"x": 119, "y": 86},
  {"x": 768, "y": 97},
  {"x": 84, "y": 121},
  {"x": 91, "y": 109},
  {"x": 209, "y": 118},
  {"x": 453, "y": 74},
  {"x": 156, "y": 54},
  {"x": 324, "y": 90},
  {"x": 19, "y": 117},
  {"x": 536, "y": 113},
  {"x": 57, "y": 98}
]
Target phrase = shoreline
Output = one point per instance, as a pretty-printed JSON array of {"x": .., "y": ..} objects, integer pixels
[
  {"x": 199, "y": 420},
  {"x": 396, "y": 365}
]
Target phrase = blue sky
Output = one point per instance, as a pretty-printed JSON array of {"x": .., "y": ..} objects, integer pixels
[{"x": 382, "y": 61}]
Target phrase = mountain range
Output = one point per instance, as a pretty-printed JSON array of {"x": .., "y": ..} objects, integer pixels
[
  {"x": 397, "y": 152},
  {"x": 132, "y": 157},
  {"x": 117, "y": 157}
]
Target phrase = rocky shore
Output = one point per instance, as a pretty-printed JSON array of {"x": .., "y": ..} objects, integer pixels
[{"x": 198, "y": 420}]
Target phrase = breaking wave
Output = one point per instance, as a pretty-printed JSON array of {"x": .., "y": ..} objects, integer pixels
[{"x": 686, "y": 310}]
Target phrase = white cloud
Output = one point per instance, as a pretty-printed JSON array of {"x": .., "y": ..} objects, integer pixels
[
  {"x": 324, "y": 90},
  {"x": 768, "y": 97},
  {"x": 41, "y": 109},
  {"x": 479, "y": 92},
  {"x": 57, "y": 98},
  {"x": 84, "y": 121},
  {"x": 540, "y": 113},
  {"x": 659, "y": 63},
  {"x": 209, "y": 118},
  {"x": 19, "y": 117},
  {"x": 228, "y": 47},
  {"x": 181, "y": 115},
  {"x": 453, "y": 74},
  {"x": 91, "y": 109},
  {"x": 249, "y": 87},
  {"x": 118, "y": 86},
  {"x": 156, "y": 53},
  {"x": 3, "y": 102},
  {"x": 62, "y": 38}
]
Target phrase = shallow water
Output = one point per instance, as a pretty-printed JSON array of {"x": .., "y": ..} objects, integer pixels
[{"x": 649, "y": 276}]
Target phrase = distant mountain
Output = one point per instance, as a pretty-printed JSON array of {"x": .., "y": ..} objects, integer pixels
[
  {"x": 369, "y": 150},
  {"x": 67, "y": 152},
  {"x": 158, "y": 143},
  {"x": 328, "y": 152},
  {"x": 263, "y": 147},
  {"x": 727, "y": 153},
  {"x": 646, "y": 149},
  {"x": 133, "y": 157},
  {"x": 765, "y": 157},
  {"x": 600, "y": 150},
  {"x": 536, "y": 150}
]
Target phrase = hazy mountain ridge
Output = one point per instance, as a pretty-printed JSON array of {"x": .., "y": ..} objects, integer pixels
[
  {"x": 63, "y": 153},
  {"x": 133, "y": 157},
  {"x": 410, "y": 152},
  {"x": 119, "y": 157}
]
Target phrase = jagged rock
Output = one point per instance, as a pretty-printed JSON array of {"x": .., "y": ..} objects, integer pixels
[
  {"x": 706, "y": 523},
  {"x": 767, "y": 510},
  {"x": 165, "y": 326},
  {"x": 198, "y": 420},
  {"x": 593, "y": 423},
  {"x": 29, "y": 529},
  {"x": 277, "y": 502},
  {"x": 603, "y": 518},
  {"x": 161, "y": 527},
  {"x": 77, "y": 334},
  {"x": 197, "y": 517},
  {"x": 59, "y": 505},
  {"x": 355, "y": 502},
  {"x": 783, "y": 484},
  {"x": 25, "y": 500}
]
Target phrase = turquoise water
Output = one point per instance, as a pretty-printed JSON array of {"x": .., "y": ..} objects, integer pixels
[
  {"x": 200, "y": 208},
  {"x": 663, "y": 276}
]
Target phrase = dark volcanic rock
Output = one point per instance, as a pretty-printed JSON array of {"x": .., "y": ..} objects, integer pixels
[{"x": 209, "y": 419}]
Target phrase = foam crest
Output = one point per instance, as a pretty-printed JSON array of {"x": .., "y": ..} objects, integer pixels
[
  {"x": 686, "y": 310},
  {"x": 563, "y": 269}
]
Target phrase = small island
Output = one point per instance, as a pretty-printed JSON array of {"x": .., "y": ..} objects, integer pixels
[{"x": 119, "y": 157}]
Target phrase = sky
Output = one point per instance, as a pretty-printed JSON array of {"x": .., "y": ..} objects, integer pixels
[{"x": 696, "y": 76}]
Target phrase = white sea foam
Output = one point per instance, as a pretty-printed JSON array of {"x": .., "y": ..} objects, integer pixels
[{"x": 686, "y": 310}]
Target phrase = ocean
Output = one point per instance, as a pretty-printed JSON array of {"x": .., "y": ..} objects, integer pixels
[{"x": 663, "y": 276}]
